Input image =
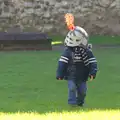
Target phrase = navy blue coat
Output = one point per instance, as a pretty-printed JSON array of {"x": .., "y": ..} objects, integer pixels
[{"x": 76, "y": 63}]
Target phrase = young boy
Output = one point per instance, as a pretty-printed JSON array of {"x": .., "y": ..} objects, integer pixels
[{"x": 76, "y": 64}]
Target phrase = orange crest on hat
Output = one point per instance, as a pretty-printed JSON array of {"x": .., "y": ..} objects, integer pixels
[{"x": 69, "y": 20}]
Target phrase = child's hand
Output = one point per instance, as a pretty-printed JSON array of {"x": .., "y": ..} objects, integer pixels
[
  {"x": 91, "y": 78},
  {"x": 59, "y": 78}
]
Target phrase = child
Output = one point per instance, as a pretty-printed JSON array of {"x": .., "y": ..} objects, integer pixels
[{"x": 76, "y": 64}]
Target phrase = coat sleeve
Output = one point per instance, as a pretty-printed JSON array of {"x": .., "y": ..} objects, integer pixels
[
  {"x": 93, "y": 67},
  {"x": 63, "y": 64}
]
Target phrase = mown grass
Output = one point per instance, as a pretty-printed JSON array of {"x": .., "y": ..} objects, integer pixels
[
  {"x": 96, "y": 39},
  {"x": 29, "y": 90}
]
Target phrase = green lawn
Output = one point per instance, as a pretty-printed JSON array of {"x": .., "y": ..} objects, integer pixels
[
  {"x": 28, "y": 84},
  {"x": 112, "y": 40}
]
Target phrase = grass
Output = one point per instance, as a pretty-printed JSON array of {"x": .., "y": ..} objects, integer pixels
[
  {"x": 29, "y": 90},
  {"x": 112, "y": 40}
]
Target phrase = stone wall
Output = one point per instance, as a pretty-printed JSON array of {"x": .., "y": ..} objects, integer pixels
[{"x": 96, "y": 16}]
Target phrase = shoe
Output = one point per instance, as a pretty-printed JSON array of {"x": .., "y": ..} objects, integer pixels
[{"x": 81, "y": 104}]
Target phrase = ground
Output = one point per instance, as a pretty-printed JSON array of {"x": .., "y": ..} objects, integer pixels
[{"x": 28, "y": 84}]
